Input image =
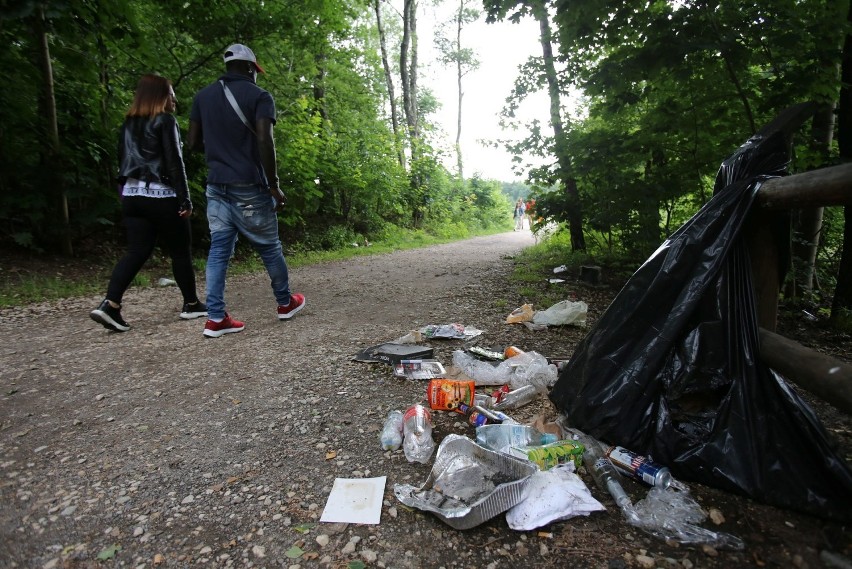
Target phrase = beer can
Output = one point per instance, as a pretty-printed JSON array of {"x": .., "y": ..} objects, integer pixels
[
  {"x": 639, "y": 467},
  {"x": 477, "y": 419}
]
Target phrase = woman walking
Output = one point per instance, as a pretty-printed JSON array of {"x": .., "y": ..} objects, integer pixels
[
  {"x": 154, "y": 199},
  {"x": 520, "y": 208}
]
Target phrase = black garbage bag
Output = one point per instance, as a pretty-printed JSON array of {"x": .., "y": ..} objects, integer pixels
[{"x": 672, "y": 368}]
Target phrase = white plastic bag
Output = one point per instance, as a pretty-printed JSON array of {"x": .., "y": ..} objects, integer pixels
[
  {"x": 562, "y": 313},
  {"x": 552, "y": 495}
]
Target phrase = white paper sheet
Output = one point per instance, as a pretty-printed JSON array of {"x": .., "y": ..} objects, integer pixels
[{"x": 355, "y": 501}]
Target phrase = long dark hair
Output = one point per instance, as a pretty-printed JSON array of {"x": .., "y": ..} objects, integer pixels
[{"x": 152, "y": 96}]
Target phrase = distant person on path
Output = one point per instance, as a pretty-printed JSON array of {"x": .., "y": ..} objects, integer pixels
[
  {"x": 154, "y": 199},
  {"x": 231, "y": 121},
  {"x": 519, "y": 214}
]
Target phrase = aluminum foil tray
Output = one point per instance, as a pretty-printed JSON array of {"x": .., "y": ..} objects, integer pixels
[{"x": 469, "y": 484}]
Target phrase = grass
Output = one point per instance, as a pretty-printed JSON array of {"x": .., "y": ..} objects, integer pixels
[
  {"x": 45, "y": 281},
  {"x": 534, "y": 265},
  {"x": 34, "y": 288}
]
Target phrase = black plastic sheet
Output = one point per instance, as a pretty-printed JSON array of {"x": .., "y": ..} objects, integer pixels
[{"x": 672, "y": 368}]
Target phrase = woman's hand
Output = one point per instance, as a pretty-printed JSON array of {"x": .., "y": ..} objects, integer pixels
[{"x": 185, "y": 210}]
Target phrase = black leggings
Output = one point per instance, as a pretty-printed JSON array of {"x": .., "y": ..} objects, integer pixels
[{"x": 145, "y": 219}]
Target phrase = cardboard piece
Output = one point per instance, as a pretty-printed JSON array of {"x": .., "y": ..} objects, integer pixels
[{"x": 355, "y": 501}]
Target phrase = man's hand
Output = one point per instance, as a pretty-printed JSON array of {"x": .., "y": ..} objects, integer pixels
[{"x": 278, "y": 196}]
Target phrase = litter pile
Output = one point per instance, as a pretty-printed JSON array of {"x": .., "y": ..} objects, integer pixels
[
  {"x": 669, "y": 378},
  {"x": 529, "y": 473}
]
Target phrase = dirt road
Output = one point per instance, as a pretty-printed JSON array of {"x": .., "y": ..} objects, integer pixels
[{"x": 159, "y": 448}]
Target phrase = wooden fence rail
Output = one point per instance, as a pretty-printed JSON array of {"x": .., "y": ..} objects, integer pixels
[{"x": 822, "y": 375}]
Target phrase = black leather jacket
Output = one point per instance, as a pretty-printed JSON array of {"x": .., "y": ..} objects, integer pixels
[{"x": 149, "y": 149}]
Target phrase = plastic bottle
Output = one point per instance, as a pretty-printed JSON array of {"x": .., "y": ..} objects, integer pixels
[
  {"x": 500, "y": 435},
  {"x": 417, "y": 434},
  {"x": 391, "y": 436},
  {"x": 482, "y": 399},
  {"x": 607, "y": 477},
  {"x": 516, "y": 398}
]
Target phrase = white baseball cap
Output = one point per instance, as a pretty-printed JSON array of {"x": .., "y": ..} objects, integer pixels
[{"x": 239, "y": 52}]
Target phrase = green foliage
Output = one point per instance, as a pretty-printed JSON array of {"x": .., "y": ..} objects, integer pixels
[
  {"x": 329, "y": 238},
  {"x": 336, "y": 152},
  {"x": 669, "y": 89}
]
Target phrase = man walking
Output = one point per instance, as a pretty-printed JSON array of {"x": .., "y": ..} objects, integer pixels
[{"x": 231, "y": 122}]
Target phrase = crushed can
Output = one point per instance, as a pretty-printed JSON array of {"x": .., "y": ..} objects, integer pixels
[{"x": 639, "y": 467}]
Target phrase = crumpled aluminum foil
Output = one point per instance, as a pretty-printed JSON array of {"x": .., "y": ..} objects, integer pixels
[{"x": 469, "y": 484}]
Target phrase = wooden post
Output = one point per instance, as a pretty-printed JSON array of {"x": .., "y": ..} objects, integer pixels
[
  {"x": 763, "y": 251},
  {"x": 827, "y": 186}
]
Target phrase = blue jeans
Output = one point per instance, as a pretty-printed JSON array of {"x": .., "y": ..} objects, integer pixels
[{"x": 249, "y": 210}]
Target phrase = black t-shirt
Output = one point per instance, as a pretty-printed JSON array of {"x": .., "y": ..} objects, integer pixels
[{"x": 229, "y": 146}]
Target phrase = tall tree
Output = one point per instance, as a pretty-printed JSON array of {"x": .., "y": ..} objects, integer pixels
[
  {"x": 560, "y": 146},
  {"x": 52, "y": 157},
  {"x": 377, "y": 8},
  {"x": 408, "y": 63},
  {"x": 453, "y": 52},
  {"x": 539, "y": 9},
  {"x": 841, "y": 306}
]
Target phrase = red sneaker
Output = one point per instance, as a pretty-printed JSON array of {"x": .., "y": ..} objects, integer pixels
[
  {"x": 227, "y": 326},
  {"x": 297, "y": 302}
]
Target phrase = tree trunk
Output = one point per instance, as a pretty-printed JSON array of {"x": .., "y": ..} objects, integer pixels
[
  {"x": 841, "y": 306},
  {"x": 408, "y": 75},
  {"x": 408, "y": 68},
  {"x": 459, "y": 75},
  {"x": 53, "y": 158},
  {"x": 575, "y": 216},
  {"x": 808, "y": 222},
  {"x": 389, "y": 80}
]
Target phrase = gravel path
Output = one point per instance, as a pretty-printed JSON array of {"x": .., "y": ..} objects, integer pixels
[{"x": 159, "y": 448}]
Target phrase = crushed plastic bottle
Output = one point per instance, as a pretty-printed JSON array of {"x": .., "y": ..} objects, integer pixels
[
  {"x": 417, "y": 434},
  {"x": 607, "y": 477},
  {"x": 670, "y": 513},
  {"x": 516, "y": 398},
  {"x": 499, "y": 436},
  {"x": 529, "y": 368},
  {"x": 391, "y": 436},
  {"x": 667, "y": 512}
]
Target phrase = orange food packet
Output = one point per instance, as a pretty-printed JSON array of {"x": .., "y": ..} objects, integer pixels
[{"x": 449, "y": 394}]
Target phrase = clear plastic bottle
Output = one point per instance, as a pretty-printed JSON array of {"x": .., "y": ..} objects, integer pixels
[
  {"x": 417, "y": 434},
  {"x": 391, "y": 436},
  {"x": 607, "y": 477},
  {"x": 516, "y": 398},
  {"x": 501, "y": 435}
]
